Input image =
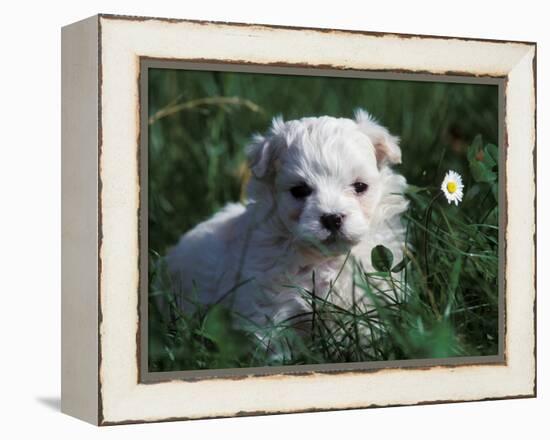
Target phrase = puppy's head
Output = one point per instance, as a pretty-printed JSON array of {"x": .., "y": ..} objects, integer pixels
[{"x": 323, "y": 176}]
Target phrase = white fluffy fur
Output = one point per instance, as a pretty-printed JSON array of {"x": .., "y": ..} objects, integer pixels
[{"x": 268, "y": 245}]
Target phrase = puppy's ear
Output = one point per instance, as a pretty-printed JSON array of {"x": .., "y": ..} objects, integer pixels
[
  {"x": 385, "y": 144},
  {"x": 263, "y": 151}
]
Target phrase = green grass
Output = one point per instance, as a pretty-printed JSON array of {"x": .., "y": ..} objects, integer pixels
[{"x": 199, "y": 125}]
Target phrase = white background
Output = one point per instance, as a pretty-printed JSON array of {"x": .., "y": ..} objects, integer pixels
[{"x": 30, "y": 217}]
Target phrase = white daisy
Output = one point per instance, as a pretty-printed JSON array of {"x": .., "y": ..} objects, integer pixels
[{"x": 452, "y": 187}]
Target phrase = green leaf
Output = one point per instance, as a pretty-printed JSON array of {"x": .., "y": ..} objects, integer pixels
[
  {"x": 492, "y": 152},
  {"x": 477, "y": 145},
  {"x": 382, "y": 258},
  {"x": 218, "y": 327},
  {"x": 483, "y": 161},
  {"x": 216, "y": 323}
]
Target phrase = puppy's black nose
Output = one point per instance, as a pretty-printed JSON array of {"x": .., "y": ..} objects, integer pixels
[{"x": 332, "y": 222}]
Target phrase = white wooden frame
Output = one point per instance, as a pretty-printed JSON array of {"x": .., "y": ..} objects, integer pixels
[{"x": 101, "y": 194}]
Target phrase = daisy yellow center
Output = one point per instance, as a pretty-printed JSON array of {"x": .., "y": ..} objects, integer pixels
[{"x": 451, "y": 187}]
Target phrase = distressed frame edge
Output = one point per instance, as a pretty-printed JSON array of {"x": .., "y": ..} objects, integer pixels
[
  {"x": 102, "y": 421},
  {"x": 535, "y": 201},
  {"x": 80, "y": 221},
  {"x": 531, "y": 283},
  {"x": 314, "y": 410},
  {"x": 275, "y": 27}
]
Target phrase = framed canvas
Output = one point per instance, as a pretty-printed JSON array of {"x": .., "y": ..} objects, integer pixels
[{"x": 264, "y": 219}]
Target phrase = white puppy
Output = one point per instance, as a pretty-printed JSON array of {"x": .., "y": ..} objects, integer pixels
[{"x": 320, "y": 188}]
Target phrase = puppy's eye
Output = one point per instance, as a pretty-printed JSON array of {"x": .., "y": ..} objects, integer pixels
[
  {"x": 300, "y": 191},
  {"x": 360, "y": 187}
]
